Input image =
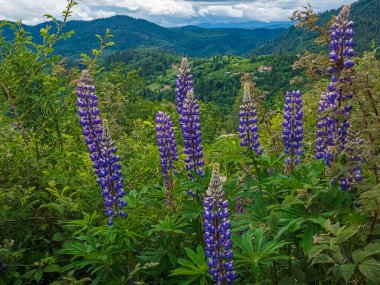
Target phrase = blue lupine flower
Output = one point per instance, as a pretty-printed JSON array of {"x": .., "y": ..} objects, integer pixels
[
  {"x": 292, "y": 134},
  {"x": 218, "y": 244},
  {"x": 192, "y": 136},
  {"x": 167, "y": 147},
  {"x": 354, "y": 156},
  {"x": 334, "y": 107},
  {"x": 184, "y": 83},
  {"x": 248, "y": 129},
  {"x": 101, "y": 148}
]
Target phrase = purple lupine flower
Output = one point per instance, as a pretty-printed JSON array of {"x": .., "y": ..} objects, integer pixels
[
  {"x": 192, "y": 136},
  {"x": 184, "y": 83},
  {"x": 101, "y": 148},
  {"x": 292, "y": 134},
  {"x": 248, "y": 129},
  {"x": 334, "y": 107},
  {"x": 239, "y": 205},
  {"x": 218, "y": 243},
  {"x": 354, "y": 157},
  {"x": 325, "y": 132},
  {"x": 167, "y": 147}
]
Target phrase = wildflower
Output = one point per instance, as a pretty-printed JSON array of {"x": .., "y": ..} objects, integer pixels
[
  {"x": 292, "y": 134},
  {"x": 334, "y": 107},
  {"x": 192, "y": 136},
  {"x": 248, "y": 129},
  {"x": 167, "y": 147},
  {"x": 354, "y": 159},
  {"x": 217, "y": 236},
  {"x": 101, "y": 148},
  {"x": 184, "y": 83}
]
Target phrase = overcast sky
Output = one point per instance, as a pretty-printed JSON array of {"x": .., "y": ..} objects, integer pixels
[{"x": 165, "y": 12}]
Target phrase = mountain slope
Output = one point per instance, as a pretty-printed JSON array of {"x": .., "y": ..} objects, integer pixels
[
  {"x": 247, "y": 25},
  {"x": 134, "y": 33},
  {"x": 365, "y": 14}
]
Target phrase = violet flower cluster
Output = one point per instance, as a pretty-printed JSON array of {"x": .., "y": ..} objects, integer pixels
[
  {"x": 101, "y": 148},
  {"x": 184, "y": 83},
  {"x": 217, "y": 232},
  {"x": 167, "y": 147},
  {"x": 333, "y": 123},
  {"x": 355, "y": 158},
  {"x": 191, "y": 131},
  {"x": 248, "y": 129},
  {"x": 292, "y": 133},
  {"x": 334, "y": 106}
]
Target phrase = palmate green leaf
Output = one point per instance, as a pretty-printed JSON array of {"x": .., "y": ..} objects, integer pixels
[
  {"x": 79, "y": 264},
  {"x": 195, "y": 267},
  {"x": 184, "y": 271},
  {"x": 281, "y": 180},
  {"x": 187, "y": 263},
  {"x": 243, "y": 222},
  {"x": 370, "y": 268},
  {"x": 57, "y": 207},
  {"x": 169, "y": 224},
  {"x": 197, "y": 258},
  {"x": 188, "y": 281},
  {"x": 91, "y": 240},
  {"x": 255, "y": 250},
  {"x": 74, "y": 248},
  {"x": 292, "y": 226},
  {"x": 259, "y": 209}
]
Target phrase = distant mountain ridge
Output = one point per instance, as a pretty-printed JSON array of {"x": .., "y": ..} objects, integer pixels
[
  {"x": 136, "y": 33},
  {"x": 212, "y": 38},
  {"x": 364, "y": 13},
  {"x": 248, "y": 25}
]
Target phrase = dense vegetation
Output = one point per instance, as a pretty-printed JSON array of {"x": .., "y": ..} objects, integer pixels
[
  {"x": 253, "y": 191},
  {"x": 217, "y": 79}
]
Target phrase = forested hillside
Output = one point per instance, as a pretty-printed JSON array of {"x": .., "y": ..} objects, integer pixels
[
  {"x": 365, "y": 14},
  {"x": 133, "y": 33},
  {"x": 216, "y": 79}
]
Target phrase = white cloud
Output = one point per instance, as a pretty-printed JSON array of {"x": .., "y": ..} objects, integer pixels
[{"x": 166, "y": 12}]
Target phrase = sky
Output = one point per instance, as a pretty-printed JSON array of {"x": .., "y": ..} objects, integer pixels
[{"x": 167, "y": 13}]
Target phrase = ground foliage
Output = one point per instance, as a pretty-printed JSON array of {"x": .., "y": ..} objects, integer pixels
[{"x": 293, "y": 226}]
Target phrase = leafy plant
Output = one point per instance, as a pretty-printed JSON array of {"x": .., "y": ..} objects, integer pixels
[{"x": 194, "y": 269}]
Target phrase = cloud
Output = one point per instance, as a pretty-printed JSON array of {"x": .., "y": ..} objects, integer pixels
[{"x": 164, "y": 12}]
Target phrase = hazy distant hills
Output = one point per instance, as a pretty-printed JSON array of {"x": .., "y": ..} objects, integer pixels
[
  {"x": 365, "y": 14},
  {"x": 134, "y": 33},
  {"x": 248, "y": 25}
]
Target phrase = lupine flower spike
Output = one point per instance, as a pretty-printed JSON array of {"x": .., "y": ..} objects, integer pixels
[
  {"x": 334, "y": 106},
  {"x": 101, "y": 148},
  {"x": 192, "y": 136},
  {"x": 354, "y": 157},
  {"x": 167, "y": 147},
  {"x": 184, "y": 83},
  {"x": 248, "y": 129},
  {"x": 292, "y": 133},
  {"x": 217, "y": 236}
]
